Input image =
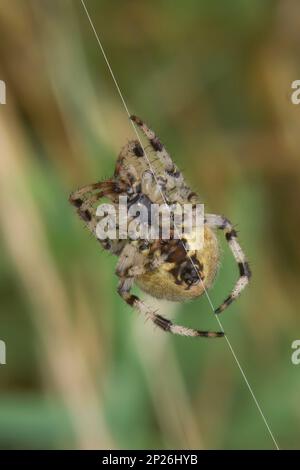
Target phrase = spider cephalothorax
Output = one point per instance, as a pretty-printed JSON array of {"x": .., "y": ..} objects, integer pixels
[{"x": 166, "y": 269}]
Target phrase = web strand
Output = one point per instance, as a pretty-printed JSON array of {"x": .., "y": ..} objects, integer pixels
[{"x": 165, "y": 201}]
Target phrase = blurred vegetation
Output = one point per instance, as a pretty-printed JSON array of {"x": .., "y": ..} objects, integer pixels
[{"x": 213, "y": 79}]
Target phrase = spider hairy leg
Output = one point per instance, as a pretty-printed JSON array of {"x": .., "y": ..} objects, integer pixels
[
  {"x": 109, "y": 188},
  {"x": 173, "y": 176},
  {"x": 220, "y": 222},
  {"x": 160, "y": 321},
  {"x": 156, "y": 144},
  {"x": 84, "y": 200}
]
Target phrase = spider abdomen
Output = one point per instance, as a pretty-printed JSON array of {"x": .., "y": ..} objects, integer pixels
[{"x": 186, "y": 277}]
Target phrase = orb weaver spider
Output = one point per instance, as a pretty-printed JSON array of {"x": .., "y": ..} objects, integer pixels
[{"x": 165, "y": 269}]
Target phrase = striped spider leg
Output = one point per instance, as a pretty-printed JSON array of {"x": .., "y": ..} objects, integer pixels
[{"x": 220, "y": 222}]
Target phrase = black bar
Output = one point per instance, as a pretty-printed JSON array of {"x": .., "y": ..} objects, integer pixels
[{"x": 134, "y": 458}]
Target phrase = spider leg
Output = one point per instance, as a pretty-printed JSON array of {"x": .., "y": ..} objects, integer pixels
[
  {"x": 129, "y": 258},
  {"x": 220, "y": 222},
  {"x": 124, "y": 287},
  {"x": 157, "y": 146},
  {"x": 175, "y": 186},
  {"x": 109, "y": 188},
  {"x": 85, "y": 198}
]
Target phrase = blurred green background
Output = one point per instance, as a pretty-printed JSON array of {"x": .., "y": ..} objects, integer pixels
[{"x": 213, "y": 78}]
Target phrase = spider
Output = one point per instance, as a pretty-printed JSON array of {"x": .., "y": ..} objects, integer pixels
[{"x": 165, "y": 269}]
